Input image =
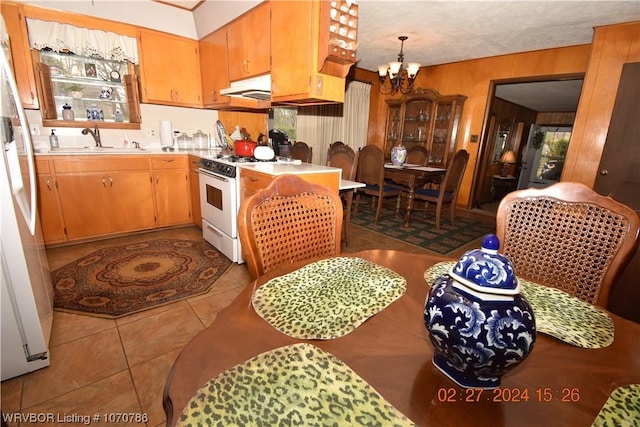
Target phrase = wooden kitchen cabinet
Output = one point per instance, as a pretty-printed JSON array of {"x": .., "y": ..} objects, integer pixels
[
  {"x": 104, "y": 195},
  {"x": 48, "y": 208},
  {"x": 14, "y": 19},
  {"x": 298, "y": 48},
  {"x": 214, "y": 72},
  {"x": 194, "y": 186},
  {"x": 169, "y": 69},
  {"x": 426, "y": 118},
  {"x": 251, "y": 180},
  {"x": 171, "y": 190},
  {"x": 248, "y": 43}
]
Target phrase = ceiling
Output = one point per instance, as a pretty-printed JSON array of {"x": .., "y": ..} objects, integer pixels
[{"x": 444, "y": 31}]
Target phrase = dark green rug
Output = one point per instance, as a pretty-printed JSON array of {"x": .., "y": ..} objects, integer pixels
[{"x": 422, "y": 232}]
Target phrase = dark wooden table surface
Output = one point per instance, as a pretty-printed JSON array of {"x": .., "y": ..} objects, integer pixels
[
  {"x": 565, "y": 385},
  {"x": 412, "y": 179}
]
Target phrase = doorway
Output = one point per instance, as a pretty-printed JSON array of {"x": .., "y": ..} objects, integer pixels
[{"x": 523, "y": 114}]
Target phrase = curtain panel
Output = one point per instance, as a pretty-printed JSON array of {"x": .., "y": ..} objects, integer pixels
[
  {"x": 321, "y": 125},
  {"x": 81, "y": 41}
]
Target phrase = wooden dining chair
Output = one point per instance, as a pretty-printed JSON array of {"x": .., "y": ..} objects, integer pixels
[
  {"x": 301, "y": 151},
  {"x": 447, "y": 191},
  {"x": 291, "y": 220},
  {"x": 343, "y": 157},
  {"x": 371, "y": 173},
  {"x": 418, "y": 155},
  {"x": 569, "y": 237}
]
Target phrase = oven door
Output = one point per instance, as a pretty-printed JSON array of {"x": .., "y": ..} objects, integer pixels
[{"x": 218, "y": 202}]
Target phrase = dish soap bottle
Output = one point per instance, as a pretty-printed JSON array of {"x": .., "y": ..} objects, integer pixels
[{"x": 53, "y": 140}]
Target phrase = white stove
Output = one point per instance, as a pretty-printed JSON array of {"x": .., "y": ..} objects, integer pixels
[{"x": 220, "y": 201}]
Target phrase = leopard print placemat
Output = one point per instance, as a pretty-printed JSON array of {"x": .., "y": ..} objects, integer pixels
[
  {"x": 621, "y": 409},
  {"x": 328, "y": 298},
  {"x": 299, "y": 384},
  {"x": 557, "y": 313}
]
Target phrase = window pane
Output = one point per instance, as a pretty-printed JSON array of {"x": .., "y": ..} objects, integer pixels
[
  {"x": 93, "y": 87},
  {"x": 285, "y": 120}
]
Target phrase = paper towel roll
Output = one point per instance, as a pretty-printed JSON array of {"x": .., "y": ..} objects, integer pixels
[{"x": 166, "y": 132}]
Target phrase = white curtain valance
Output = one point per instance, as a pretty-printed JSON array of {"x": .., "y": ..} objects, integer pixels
[{"x": 81, "y": 41}]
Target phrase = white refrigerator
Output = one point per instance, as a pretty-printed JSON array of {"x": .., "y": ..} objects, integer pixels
[{"x": 27, "y": 292}]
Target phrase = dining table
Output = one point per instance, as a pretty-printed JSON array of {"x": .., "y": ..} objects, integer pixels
[
  {"x": 559, "y": 384},
  {"x": 411, "y": 177}
]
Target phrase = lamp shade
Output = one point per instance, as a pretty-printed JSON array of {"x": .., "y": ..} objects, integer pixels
[{"x": 508, "y": 157}]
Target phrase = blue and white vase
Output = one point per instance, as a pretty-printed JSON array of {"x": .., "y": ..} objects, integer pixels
[
  {"x": 478, "y": 322},
  {"x": 398, "y": 155}
]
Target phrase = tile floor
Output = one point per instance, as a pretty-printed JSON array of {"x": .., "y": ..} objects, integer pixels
[{"x": 103, "y": 366}]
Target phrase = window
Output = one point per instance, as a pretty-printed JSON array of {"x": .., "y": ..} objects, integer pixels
[
  {"x": 94, "y": 88},
  {"x": 284, "y": 119}
]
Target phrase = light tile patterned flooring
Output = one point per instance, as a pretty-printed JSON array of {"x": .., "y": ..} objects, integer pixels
[{"x": 102, "y": 366}]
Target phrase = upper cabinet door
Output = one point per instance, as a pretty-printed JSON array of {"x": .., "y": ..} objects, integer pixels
[
  {"x": 169, "y": 69},
  {"x": 249, "y": 43}
]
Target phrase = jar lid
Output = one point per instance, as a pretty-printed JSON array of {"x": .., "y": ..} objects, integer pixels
[
  {"x": 486, "y": 270},
  {"x": 66, "y": 106}
]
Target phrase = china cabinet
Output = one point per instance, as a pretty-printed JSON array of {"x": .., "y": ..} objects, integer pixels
[{"x": 426, "y": 118}]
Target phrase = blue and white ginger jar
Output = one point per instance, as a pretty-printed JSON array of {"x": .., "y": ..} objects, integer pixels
[
  {"x": 398, "y": 155},
  {"x": 478, "y": 322}
]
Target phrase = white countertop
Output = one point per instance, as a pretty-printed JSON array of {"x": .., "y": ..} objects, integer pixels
[{"x": 284, "y": 168}]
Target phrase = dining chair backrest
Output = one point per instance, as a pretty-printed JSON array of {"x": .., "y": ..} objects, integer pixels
[
  {"x": 455, "y": 172},
  {"x": 301, "y": 151},
  {"x": 343, "y": 157},
  {"x": 569, "y": 237},
  {"x": 418, "y": 155},
  {"x": 370, "y": 165},
  {"x": 291, "y": 220}
]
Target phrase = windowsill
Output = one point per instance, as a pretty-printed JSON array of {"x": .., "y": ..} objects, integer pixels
[{"x": 86, "y": 123}]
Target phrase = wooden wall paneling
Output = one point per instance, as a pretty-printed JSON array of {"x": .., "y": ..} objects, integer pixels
[
  {"x": 255, "y": 123},
  {"x": 612, "y": 46}
]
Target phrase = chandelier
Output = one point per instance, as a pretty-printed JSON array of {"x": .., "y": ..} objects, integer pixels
[{"x": 400, "y": 77}]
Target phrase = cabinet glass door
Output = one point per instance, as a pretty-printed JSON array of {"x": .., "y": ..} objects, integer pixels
[
  {"x": 417, "y": 120},
  {"x": 441, "y": 132},
  {"x": 393, "y": 128}
]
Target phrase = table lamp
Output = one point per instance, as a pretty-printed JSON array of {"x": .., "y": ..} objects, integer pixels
[{"x": 507, "y": 159}]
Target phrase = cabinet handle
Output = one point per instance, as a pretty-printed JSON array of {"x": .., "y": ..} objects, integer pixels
[
  {"x": 49, "y": 184},
  {"x": 252, "y": 179},
  {"x": 245, "y": 66},
  {"x": 168, "y": 160},
  {"x": 214, "y": 231},
  {"x": 604, "y": 172},
  {"x": 104, "y": 182},
  {"x": 110, "y": 181},
  {"x": 157, "y": 179}
]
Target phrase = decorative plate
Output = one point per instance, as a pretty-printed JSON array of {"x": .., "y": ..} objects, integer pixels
[
  {"x": 327, "y": 299},
  {"x": 557, "y": 313},
  {"x": 299, "y": 384}
]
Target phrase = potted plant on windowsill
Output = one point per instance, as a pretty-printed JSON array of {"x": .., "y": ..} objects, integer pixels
[{"x": 75, "y": 90}]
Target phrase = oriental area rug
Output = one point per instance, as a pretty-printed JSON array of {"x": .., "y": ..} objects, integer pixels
[
  {"x": 120, "y": 280},
  {"x": 422, "y": 232}
]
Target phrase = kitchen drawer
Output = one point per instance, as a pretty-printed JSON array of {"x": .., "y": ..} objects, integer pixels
[
  {"x": 42, "y": 166},
  {"x": 166, "y": 162},
  {"x": 100, "y": 163}
]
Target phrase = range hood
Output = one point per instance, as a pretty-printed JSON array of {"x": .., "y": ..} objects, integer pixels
[{"x": 253, "y": 88}]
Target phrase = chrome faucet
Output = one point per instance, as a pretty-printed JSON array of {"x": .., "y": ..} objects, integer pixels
[{"x": 95, "y": 133}]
